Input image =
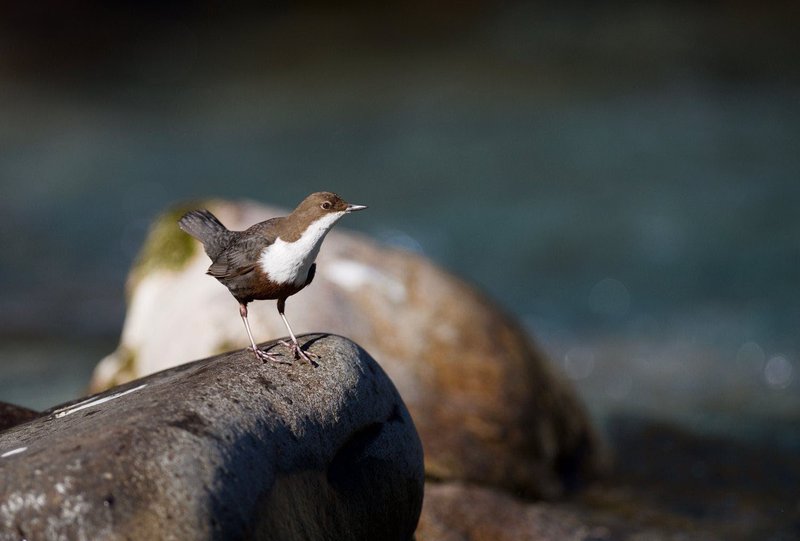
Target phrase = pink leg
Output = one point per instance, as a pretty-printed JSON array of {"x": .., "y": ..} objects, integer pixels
[
  {"x": 294, "y": 345},
  {"x": 260, "y": 355}
]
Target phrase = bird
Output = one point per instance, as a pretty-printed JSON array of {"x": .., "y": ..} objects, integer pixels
[{"x": 273, "y": 259}]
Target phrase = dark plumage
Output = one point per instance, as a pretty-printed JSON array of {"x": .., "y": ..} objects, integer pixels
[{"x": 206, "y": 228}]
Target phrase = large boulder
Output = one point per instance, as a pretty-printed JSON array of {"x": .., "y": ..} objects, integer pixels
[
  {"x": 488, "y": 405},
  {"x": 223, "y": 448}
]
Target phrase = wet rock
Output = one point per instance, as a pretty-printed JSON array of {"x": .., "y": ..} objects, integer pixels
[
  {"x": 457, "y": 512},
  {"x": 223, "y": 448},
  {"x": 668, "y": 484},
  {"x": 487, "y": 404},
  {"x": 11, "y": 415}
]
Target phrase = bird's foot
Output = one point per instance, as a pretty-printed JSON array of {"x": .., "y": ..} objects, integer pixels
[
  {"x": 298, "y": 352},
  {"x": 263, "y": 356}
]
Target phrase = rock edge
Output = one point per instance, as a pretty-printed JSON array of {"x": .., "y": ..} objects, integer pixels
[{"x": 222, "y": 448}]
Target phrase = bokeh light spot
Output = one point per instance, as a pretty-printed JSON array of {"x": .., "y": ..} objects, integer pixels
[
  {"x": 579, "y": 363},
  {"x": 778, "y": 372},
  {"x": 609, "y": 297}
]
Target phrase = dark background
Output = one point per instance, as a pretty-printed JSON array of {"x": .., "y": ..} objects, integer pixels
[{"x": 623, "y": 176}]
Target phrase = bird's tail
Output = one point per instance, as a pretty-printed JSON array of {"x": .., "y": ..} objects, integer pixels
[{"x": 206, "y": 228}]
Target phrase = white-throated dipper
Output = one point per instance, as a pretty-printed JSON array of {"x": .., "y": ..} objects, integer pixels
[{"x": 273, "y": 259}]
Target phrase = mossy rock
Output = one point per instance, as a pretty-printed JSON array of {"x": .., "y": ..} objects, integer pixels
[{"x": 166, "y": 246}]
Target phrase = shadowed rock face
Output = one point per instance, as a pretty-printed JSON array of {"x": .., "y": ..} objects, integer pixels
[
  {"x": 223, "y": 448},
  {"x": 11, "y": 415},
  {"x": 487, "y": 404}
]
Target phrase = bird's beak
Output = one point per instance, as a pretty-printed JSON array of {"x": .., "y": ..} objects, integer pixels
[{"x": 353, "y": 208}]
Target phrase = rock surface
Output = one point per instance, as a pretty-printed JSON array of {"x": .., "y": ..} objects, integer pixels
[
  {"x": 487, "y": 404},
  {"x": 223, "y": 448},
  {"x": 457, "y": 512},
  {"x": 11, "y": 415},
  {"x": 668, "y": 484}
]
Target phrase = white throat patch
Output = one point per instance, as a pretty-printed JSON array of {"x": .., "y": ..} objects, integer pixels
[{"x": 288, "y": 262}]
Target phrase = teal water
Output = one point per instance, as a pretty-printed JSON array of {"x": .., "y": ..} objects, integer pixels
[{"x": 636, "y": 209}]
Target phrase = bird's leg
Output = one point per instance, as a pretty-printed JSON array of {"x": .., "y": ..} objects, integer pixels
[
  {"x": 260, "y": 355},
  {"x": 294, "y": 345}
]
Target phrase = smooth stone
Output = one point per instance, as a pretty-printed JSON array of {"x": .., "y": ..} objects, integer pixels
[
  {"x": 668, "y": 484},
  {"x": 223, "y": 448},
  {"x": 462, "y": 512},
  {"x": 459, "y": 512},
  {"x": 489, "y": 407}
]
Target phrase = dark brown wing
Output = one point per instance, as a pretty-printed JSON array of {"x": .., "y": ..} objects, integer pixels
[
  {"x": 206, "y": 228},
  {"x": 244, "y": 251}
]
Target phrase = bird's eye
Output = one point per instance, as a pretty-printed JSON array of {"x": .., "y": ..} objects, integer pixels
[{"x": 326, "y": 205}]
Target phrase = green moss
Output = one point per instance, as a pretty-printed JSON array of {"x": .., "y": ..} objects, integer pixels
[
  {"x": 166, "y": 245},
  {"x": 125, "y": 370},
  {"x": 224, "y": 347}
]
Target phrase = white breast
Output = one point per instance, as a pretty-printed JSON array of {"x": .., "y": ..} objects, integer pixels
[{"x": 288, "y": 262}]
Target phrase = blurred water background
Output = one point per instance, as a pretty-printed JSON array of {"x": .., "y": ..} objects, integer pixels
[{"x": 624, "y": 177}]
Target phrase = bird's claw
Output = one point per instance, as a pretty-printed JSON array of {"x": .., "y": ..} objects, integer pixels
[
  {"x": 298, "y": 353},
  {"x": 263, "y": 356}
]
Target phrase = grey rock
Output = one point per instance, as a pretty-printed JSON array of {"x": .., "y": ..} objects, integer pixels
[
  {"x": 489, "y": 406},
  {"x": 223, "y": 448}
]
